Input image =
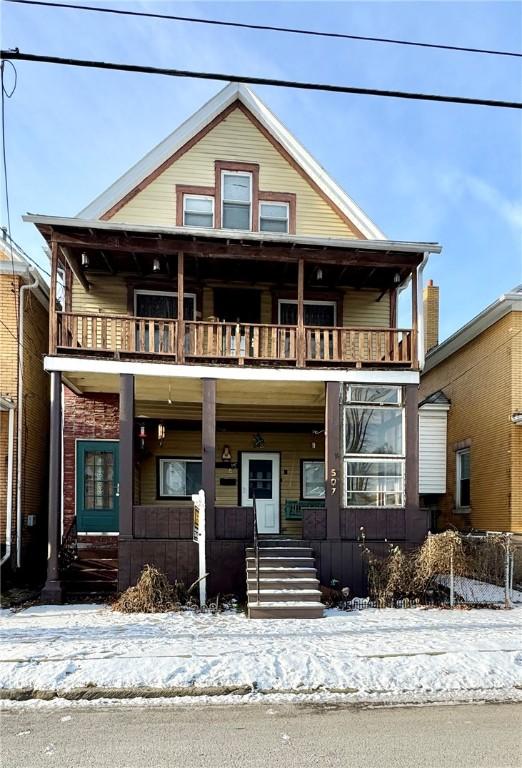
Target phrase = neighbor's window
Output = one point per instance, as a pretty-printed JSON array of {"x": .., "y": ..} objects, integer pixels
[
  {"x": 313, "y": 486},
  {"x": 237, "y": 200},
  {"x": 463, "y": 479},
  {"x": 273, "y": 217},
  {"x": 198, "y": 211},
  {"x": 178, "y": 478},
  {"x": 374, "y": 448}
]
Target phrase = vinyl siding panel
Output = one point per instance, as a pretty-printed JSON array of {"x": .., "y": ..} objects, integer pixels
[
  {"x": 235, "y": 139},
  {"x": 361, "y": 309},
  {"x": 432, "y": 451}
]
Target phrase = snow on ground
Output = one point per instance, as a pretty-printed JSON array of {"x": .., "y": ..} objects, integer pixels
[
  {"x": 377, "y": 655},
  {"x": 474, "y": 591}
]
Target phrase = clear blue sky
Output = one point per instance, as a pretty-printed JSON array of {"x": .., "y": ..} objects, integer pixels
[{"x": 422, "y": 171}]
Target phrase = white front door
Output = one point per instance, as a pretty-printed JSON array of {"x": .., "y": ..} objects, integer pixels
[{"x": 260, "y": 477}]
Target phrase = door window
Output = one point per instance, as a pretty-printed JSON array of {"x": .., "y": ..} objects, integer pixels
[
  {"x": 98, "y": 480},
  {"x": 315, "y": 314},
  {"x": 260, "y": 478},
  {"x": 97, "y": 485}
]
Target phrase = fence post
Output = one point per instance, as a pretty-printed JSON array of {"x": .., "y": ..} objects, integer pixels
[
  {"x": 507, "y": 569},
  {"x": 452, "y": 585}
]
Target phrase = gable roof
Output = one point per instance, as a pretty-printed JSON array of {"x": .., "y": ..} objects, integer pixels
[{"x": 233, "y": 92}]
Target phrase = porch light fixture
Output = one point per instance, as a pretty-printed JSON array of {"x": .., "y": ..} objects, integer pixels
[
  {"x": 258, "y": 440},
  {"x": 156, "y": 266},
  {"x": 161, "y": 433},
  {"x": 319, "y": 274},
  {"x": 226, "y": 454},
  {"x": 315, "y": 433},
  {"x": 85, "y": 260},
  {"x": 142, "y": 435},
  {"x": 397, "y": 278}
]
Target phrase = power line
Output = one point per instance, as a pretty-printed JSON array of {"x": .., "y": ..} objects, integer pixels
[
  {"x": 92, "y": 64},
  {"x": 267, "y": 28}
]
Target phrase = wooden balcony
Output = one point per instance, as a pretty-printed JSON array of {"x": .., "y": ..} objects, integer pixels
[{"x": 234, "y": 343}]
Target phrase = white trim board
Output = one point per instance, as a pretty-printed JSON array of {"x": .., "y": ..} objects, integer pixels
[
  {"x": 201, "y": 118},
  {"x": 168, "y": 370}
]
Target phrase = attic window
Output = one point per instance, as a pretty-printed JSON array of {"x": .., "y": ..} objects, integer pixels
[
  {"x": 237, "y": 200},
  {"x": 198, "y": 211},
  {"x": 273, "y": 217}
]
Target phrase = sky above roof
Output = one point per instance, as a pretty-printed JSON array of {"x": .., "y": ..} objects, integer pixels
[{"x": 421, "y": 171}]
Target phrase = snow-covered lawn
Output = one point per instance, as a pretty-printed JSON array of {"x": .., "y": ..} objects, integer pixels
[{"x": 406, "y": 654}]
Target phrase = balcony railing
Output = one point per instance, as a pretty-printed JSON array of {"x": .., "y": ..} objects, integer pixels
[{"x": 191, "y": 341}]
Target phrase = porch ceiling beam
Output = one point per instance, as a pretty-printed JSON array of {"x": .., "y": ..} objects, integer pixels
[
  {"x": 107, "y": 263},
  {"x": 340, "y": 256},
  {"x": 76, "y": 269}
]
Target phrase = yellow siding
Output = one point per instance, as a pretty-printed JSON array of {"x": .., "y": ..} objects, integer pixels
[
  {"x": 235, "y": 139},
  {"x": 107, "y": 295},
  {"x": 292, "y": 446},
  {"x": 478, "y": 380},
  {"x": 361, "y": 309}
]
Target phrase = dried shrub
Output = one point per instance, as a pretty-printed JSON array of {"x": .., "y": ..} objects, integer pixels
[{"x": 153, "y": 593}]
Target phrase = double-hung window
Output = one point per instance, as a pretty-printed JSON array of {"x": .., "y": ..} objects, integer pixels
[
  {"x": 178, "y": 478},
  {"x": 198, "y": 211},
  {"x": 463, "y": 496},
  {"x": 273, "y": 217},
  {"x": 374, "y": 452},
  {"x": 236, "y": 195}
]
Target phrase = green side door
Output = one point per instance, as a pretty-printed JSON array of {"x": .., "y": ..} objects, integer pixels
[{"x": 97, "y": 486}]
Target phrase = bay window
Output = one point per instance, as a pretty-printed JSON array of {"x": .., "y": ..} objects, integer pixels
[{"x": 374, "y": 446}]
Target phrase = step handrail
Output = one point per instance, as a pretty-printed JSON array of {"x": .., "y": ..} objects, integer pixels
[{"x": 256, "y": 544}]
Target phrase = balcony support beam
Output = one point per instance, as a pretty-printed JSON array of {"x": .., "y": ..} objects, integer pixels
[
  {"x": 52, "y": 591},
  {"x": 332, "y": 446},
  {"x": 126, "y": 478},
  {"x": 414, "y": 319},
  {"x": 208, "y": 454},
  {"x": 180, "y": 349},
  {"x": 301, "y": 339}
]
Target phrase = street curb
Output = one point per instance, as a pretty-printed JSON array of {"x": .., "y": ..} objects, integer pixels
[{"x": 90, "y": 693}]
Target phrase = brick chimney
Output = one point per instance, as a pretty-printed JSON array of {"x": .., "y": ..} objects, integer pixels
[{"x": 431, "y": 315}]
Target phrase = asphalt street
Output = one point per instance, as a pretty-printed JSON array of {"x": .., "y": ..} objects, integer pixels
[{"x": 263, "y": 736}]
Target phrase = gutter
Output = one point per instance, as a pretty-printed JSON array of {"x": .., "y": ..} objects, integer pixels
[
  {"x": 9, "y": 406},
  {"x": 20, "y": 421}
]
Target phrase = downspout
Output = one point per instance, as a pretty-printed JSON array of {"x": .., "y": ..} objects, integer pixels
[
  {"x": 9, "y": 500},
  {"x": 20, "y": 408},
  {"x": 421, "y": 352}
]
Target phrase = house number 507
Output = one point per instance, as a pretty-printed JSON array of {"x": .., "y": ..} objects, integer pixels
[{"x": 333, "y": 481}]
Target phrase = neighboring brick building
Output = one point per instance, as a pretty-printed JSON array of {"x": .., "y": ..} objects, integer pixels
[
  {"x": 24, "y": 410},
  {"x": 479, "y": 370}
]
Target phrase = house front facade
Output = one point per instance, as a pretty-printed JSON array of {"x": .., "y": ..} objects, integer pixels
[
  {"x": 230, "y": 324},
  {"x": 475, "y": 376}
]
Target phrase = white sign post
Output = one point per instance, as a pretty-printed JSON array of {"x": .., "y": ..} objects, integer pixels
[{"x": 199, "y": 537}]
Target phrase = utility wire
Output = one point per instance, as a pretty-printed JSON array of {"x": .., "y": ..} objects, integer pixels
[
  {"x": 16, "y": 55},
  {"x": 267, "y": 28}
]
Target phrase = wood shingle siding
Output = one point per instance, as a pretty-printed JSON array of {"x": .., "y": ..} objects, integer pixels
[{"x": 235, "y": 139}]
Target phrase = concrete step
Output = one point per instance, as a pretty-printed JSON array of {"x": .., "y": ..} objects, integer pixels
[
  {"x": 281, "y": 572},
  {"x": 289, "y": 562},
  {"x": 286, "y": 610},
  {"x": 280, "y": 552},
  {"x": 295, "y": 583},
  {"x": 282, "y": 542},
  {"x": 284, "y": 595}
]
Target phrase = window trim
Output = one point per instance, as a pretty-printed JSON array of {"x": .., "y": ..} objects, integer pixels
[
  {"x": 250, "y": 176},
  {"x": 274, "y": 202},
  {"x": 159, "y": 481},
  {"x": 147, "y": 292},
  {"x": 350, "y": 458},
  {"x": 458, "y": 479},
  {"x": 302, "y": 487},
  {"x": 308, "y": 302},
  {"x": 190, "y": 195}
]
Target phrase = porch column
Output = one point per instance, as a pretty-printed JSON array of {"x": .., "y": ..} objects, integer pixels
[
  {"x": 208, "y": 454},
  {"x": 414, "y": 319},
  {"x": 332, "y": 444},
  {"x": 126, "y": 478},
  {"x": 180, "y": 349},
  {"x": 52, "y": 591},
  {"x": 53, "y": 320},
  {"x": 301, "y": 341},
  {"x": 416, "y": 521}
]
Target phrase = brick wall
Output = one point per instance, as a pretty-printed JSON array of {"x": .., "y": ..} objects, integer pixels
[{"x": 87, "y": 417}]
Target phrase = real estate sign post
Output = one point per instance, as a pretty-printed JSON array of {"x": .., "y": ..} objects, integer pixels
[{"x": 198, "y": 537}]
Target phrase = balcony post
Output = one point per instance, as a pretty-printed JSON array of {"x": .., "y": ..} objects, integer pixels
[
  {"x": 180, "y": 349},
  {"x": 126, "y": 478},
  {"x": 52, "y": 591},
  {"x": 414, "y": 319},
  {"x": 53, "y": 319},
  {"x": 208, "y": 454},
  {"x": 301, "y": 339},
  {"x": 332, "y": 445}
]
